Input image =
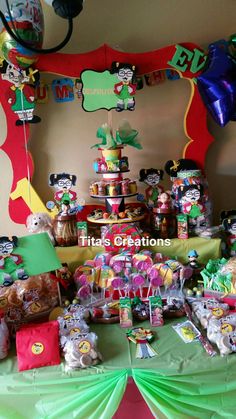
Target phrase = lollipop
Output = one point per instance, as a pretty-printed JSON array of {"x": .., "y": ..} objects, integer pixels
[
  {"x": 106, "y": 276},
  {"x": 166, "y": 273},
  {"x": 87, "y": 271},
  {"x": 142, "y": 262},
  {"x": 146, "y": 252},
  {"x": 118, "y": 284},
  {"x": 156, "y": 281},
  {"x": 82, "y": 280},
  {"x": 102, "y": 258},
  {"x": 122, "y": 263},
  {"x": 87, "y": 275},
  {"x": 118, "y": 267},
  {"x": 128, "y": 233},
  {"x": 84, "y": 292},
  {"x": 139, "y": 281}
]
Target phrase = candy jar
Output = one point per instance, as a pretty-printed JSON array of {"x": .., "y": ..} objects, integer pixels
[
  {"x": 191, "y": 198},
  {"x": 65, "y": 230}
]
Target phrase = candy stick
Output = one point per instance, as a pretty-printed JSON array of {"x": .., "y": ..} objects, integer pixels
[
  {"x": 185, "y": 273},
  {"x": 139, "y": 280},
  {"x": 202, "y": 339},
  {"x": 132, "y": 288}
]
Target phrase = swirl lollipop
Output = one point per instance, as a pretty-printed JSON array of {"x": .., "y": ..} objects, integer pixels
[
  {"x": 82, "y": 279},
  {"x": 118, "y": 284},
  {"x": 84, "y": 292},
  {"x": 142, "y": 262},
  {"x": 156, "y": 280},
  {"x": 139, "y": 281},
  {"x": 118, "y": 267}
]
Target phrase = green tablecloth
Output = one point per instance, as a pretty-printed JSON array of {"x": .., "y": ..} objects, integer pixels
[{"x": 182, "y": 381}]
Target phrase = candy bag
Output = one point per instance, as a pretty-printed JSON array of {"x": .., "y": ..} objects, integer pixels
[{"x": 37, "y": 345}]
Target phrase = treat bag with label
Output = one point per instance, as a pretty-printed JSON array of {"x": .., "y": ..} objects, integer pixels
[
  {"x": 125, "y": 312},
  {"x": 37, "y": 345},
  {"x": 156, "y": 312}
]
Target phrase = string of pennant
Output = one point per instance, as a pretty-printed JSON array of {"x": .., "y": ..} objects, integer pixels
[{"x": 67, "y": 90}]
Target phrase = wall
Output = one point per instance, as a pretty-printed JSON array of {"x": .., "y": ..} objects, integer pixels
[{"x": 62, "y": 141}]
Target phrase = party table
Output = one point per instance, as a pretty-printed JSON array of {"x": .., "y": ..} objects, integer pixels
[{"x": 182, "y": 381}]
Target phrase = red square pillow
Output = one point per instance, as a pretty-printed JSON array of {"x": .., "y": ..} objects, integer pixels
[{"x": 37, "y": 345}]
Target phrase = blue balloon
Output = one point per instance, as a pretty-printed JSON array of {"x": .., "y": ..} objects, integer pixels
[{"x": 217, "y": 85}]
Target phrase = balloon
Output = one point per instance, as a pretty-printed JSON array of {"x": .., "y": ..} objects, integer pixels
[
  {"x": 217, "y": 85},
  {"x": 28, "y": 21}
]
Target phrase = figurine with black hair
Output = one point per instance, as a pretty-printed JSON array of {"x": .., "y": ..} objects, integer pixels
[
  {"x": 190, "y": 198},
  {"x": 192, "y": 257},
  {"x": 173, "y": 167},
  {"x": 125, "y": 89},
  {"x": 152, "y": 178},
  {"x": 65, "y": 198},
  {"x": 228, "y": 219},
  {"x": 11, "y": 264},
  {"x": 21, "y": 92}
]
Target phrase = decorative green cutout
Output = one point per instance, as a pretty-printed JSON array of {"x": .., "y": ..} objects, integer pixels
[{"x": 98, "y": 90}]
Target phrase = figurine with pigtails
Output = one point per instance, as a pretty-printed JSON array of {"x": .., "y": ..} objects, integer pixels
[
  {"x": 228, "y": 220},
  {"x": 64, "y": 197},
  {"x": 152, "y": 177},
  {"x": 126, "y": 87},
  {"x": 191, "y": 202}
]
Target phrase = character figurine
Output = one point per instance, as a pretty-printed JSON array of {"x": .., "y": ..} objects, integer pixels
[
  {"x": 192, "y": 256},
  {"x": 191, "y": 203},
  {"x": 65, "y": 198},
  {"x": 228, "y": 219},
  {"x": 152, "y": 178},
  {"x": 164, "y": 202},
  {"x": 21, "y": 93},
  {"x": 11, "y": 264},
  {"x": 126, "y": 88}
]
